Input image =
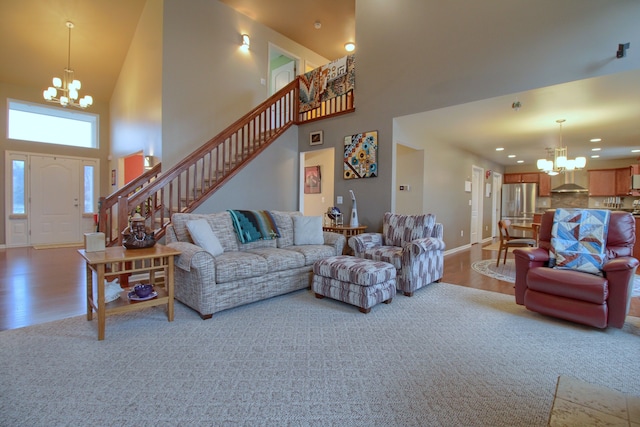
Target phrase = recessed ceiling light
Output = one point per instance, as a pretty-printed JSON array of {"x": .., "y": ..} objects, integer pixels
[
  {"x": 595, "y": 156},
  {"x": 635, "y": 151},
  {"x": 349, "y": 46},
  {"x": 596, "y": 140},
  {"x": 520, "y": 161},
  {"x": 317, "y": 25},
  {"x": 596, "y": 149},
  {"x": 500, "y": 149},
  {"x": 511, "y": 156}
]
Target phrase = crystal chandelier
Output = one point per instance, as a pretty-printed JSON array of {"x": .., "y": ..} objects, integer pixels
[
  {"x": 67, "y": 86},
  {"x": 557, "y": 160}
]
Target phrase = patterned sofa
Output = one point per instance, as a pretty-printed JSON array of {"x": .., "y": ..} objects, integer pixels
[
  {"x": 243, "y": 272},
  {"x": 412, "y": 243}
]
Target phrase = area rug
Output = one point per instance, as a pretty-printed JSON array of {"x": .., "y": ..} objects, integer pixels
[
  {"x": 448, "y": 356},
  {"x": 507, "y": 272}
]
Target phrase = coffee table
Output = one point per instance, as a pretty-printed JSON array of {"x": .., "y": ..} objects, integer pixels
[{"x": 158, "y": 258}]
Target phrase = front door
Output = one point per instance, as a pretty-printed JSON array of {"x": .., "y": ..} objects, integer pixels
[{"x": 55, "y": 200}]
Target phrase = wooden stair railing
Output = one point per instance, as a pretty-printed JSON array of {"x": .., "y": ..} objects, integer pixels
[
  {"x": 107, "y": 206},
  {"x": 188, "y": 183}
]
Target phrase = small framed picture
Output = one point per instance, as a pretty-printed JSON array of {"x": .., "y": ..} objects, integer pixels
[{"x": 315, "y": 138}]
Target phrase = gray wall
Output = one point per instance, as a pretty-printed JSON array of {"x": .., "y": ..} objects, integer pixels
[{"x": 416, "y": 56}]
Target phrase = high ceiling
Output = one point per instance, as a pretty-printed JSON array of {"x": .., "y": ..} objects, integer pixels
[
  {"x": 296, "y": 18},
  {"x": 33, "y": 45}
]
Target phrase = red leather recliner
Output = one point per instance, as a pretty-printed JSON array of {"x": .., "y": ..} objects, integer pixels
[{"x": 573, "y": 295}]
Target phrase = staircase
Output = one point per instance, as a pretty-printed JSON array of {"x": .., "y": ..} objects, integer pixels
[{"x": 185, "y": 186}]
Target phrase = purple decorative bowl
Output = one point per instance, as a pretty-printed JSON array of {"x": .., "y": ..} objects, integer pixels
[{"x": 143, "y": 291}]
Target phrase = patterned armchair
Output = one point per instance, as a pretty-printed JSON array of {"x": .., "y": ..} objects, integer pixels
[{"x": 412, "y": 243}]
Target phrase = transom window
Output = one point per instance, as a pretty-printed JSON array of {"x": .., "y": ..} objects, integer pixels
[{"x": 52, "y": 125}]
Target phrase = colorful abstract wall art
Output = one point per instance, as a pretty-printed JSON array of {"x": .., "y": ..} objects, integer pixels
[{"x": 361, "y": 155}]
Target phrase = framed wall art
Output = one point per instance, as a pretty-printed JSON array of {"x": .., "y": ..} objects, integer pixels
[
  {"x": 312, "y": 180},
  {"x": 361, "y": 155},
  {"x": 315, "y": 138}
]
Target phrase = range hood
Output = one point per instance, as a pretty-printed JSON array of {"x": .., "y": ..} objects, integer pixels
[{"x": 569, "y": 186}]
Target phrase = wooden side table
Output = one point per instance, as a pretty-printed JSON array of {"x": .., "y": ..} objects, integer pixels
[
  {"x": 347, "y": 232},
  {"x": 159, "y": 258}
]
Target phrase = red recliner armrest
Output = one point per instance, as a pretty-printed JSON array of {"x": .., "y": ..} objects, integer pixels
[
  {"x": 620, "y": 273},
  {"x": 527, "y": 258}
]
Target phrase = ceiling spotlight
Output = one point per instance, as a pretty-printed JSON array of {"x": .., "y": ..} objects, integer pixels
[
  {"x": 317, "y": 25},
  {"x": 349, "y": 46},
  {"x": 511, "y": 156},
  {"x": 595, "y": 140},
  {"x": 635, "y": 151},
  {"x": 500, "y": 149}
]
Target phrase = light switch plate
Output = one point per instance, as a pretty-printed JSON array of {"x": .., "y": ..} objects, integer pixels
[{"x": 339, "y": 200}]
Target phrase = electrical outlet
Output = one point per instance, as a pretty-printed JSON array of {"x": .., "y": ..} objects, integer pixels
[
  {"x": 597, "y": 204},
  {"x": 486, "y": 228},
  {"x": 461, "y": 233}
]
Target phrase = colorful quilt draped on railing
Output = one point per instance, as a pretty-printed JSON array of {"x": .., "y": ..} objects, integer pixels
[
  {"x": 329, "y": 81},
  {"x": 254, "y": 225}
]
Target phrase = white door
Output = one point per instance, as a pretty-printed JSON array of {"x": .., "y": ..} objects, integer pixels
[
  {"x": 282, "y": 76},
  {"x": 476, "y": 205},
  {"x": 55, "y": 200}
]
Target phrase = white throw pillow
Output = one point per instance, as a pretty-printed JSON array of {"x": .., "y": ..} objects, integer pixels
[
  {"x": 307, "y": 230},
  {"x": 203, "y": 236}
]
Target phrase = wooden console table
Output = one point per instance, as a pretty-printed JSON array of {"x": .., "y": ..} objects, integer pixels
[
  {"x": 347, "y": 232},
  {"x": 153, "y": 260}
]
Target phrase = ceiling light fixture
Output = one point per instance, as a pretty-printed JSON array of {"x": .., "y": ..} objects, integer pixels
[
  {"x": 68, "y": 86},
  {"x": 557, "y": 161},
  {"x": 350, "y": 46}
]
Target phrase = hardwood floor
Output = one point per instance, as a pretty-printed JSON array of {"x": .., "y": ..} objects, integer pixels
[{"x": 42, "y": 285}]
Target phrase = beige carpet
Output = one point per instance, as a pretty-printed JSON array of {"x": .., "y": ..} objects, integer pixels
[{"x": 448, "y": 356}]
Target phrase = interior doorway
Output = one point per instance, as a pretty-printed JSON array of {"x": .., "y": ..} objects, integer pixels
[
  {"x": 409, "y": 180},
  {"x": 283, "y": 68},
  {"x": 315, "y": 201}
]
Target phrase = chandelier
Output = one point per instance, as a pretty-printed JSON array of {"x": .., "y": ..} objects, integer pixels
[
  {"x": 67, "y": 86},
  {"x": 557, "y": 160}
]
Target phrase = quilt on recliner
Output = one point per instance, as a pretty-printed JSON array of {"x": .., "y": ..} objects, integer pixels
[{"x": 579, "y": 239}]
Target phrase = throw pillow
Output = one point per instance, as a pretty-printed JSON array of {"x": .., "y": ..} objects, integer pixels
[
  {"x": 203, "y": 236},
  {"x": 579, "y": 239},
  {"x": 307, "y": 230}
]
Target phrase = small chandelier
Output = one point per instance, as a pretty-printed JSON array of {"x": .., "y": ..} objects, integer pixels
[
  {"x": 557, "y": 160},
  {"x": 67, "y": 86}
]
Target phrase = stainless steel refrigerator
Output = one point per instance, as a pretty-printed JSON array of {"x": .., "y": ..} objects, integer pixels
[{"x": 519, "y": 204}]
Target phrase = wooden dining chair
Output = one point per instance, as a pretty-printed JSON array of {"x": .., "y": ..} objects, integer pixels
[{"x": 507, "y": 241}]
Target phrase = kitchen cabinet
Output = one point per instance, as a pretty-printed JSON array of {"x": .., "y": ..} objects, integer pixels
[
  {"x": 513, "y": 178},
  {"x": 623, "y": 181},
  {"x": 544, "y": 187},
  {"x": 602, "y": 182},
  {"x": 610, "y": 182}
]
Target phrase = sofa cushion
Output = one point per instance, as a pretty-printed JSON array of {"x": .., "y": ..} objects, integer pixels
[
  {"x": 578, "y": 239},
  {"x": 313, "y": 253},
  {"x": 390, "y": 254},
  {"x": 398, "y": 230},
  {"x": 203, "y": 236},
  {"x": 284, "y": 221},
  {"x": 280, "y": 259},
  {"x": 233, "y": 266},
  {"x": 220, "y": 224},
  {"x": 307, "y": 230}
]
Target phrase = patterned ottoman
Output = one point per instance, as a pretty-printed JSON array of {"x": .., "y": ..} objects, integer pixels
[{"x": 356, "y": 281}]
